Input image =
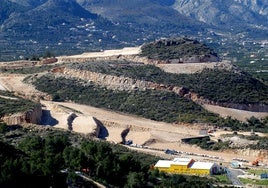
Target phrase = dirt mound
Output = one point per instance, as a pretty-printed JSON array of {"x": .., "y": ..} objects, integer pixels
[{"x": 152, "y": 141}]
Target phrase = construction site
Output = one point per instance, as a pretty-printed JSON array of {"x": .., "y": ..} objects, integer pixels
[{"x": 165, "y": 140}]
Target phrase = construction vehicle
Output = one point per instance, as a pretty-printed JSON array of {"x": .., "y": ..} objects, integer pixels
[{"x": 257, "y": 161}]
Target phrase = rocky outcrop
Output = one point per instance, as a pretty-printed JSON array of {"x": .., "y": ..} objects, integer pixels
[
  {"x": 86, "y": 125},
  {"x": 228, "y": 13},
  {"x": 30, "y": 116},
  {"x": 83, "y": 124},
  {"x": 109, "y": 81},
  {"x": 137, "y": 58},
  {"x": 253, "y": 153}
]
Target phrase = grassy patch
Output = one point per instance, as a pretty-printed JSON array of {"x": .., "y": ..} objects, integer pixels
[
  {"x": 253, "y": 182},
  {"x": 222, "y": 179},
  {"x": 10, "y": 106},
  {"x": 257, "y": 171},
  {"x": 29, "y": 70}
]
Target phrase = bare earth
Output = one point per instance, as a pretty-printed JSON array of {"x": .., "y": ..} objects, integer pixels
[
  {"x": 106, "y": 53},
  {"x": 188, "y": 68},
  {"x": 158, "y": 135}
]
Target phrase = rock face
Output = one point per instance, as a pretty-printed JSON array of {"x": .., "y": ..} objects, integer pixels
[
  {"x": 31, "y": 116},
  {"x": 109, "y": 81},
  {"x": 86, "y": 125},
  {"x": 254, "y": 153}
]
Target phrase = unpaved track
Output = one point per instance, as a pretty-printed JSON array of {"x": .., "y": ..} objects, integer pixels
[
  {"x": 240, "y": 115},
  {"x": 141, "y": 129},
  {"x": 106, "y": 53},
  {"x": 164, "y": 135}
]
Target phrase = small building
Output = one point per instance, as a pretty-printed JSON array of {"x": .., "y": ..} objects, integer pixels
[{"x": 187, "y": 166}]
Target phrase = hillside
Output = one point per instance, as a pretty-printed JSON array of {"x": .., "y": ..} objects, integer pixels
[
  {"x": 142, "y": 13},
  {"x": 29, "y": 3},
  {"x": 230, "y": 13},
  {"x": 57, "y": 26},
  {"x": 148, "y": 98},
  {"x": 8, "y": 8},
  {"x": 10, "y": 104},
  {"x": 71, "y": 24},
  {"x": 237, "y": 88},
  {"x": 181, "y": 50}
]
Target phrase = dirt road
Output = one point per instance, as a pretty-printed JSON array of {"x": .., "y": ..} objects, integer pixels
[{"x": 158, "y": 135}]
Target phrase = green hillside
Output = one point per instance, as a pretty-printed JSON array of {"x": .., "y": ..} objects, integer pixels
[
  {"x": 13, "y": 104},
  {"x": 156, "y": 105},
  {"x": 217, "y": 85}
]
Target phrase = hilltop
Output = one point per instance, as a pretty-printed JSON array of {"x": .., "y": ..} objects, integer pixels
[{"x": 182, "y": 50}]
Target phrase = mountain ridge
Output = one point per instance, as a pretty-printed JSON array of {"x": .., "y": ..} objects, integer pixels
[{"x": 33, "y": 27}]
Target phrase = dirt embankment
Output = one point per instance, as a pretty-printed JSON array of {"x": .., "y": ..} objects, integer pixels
[{"x": 30, "y": 116}]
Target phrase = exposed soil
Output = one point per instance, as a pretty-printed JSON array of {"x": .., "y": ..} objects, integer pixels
[{"x": 153, "y": 134}]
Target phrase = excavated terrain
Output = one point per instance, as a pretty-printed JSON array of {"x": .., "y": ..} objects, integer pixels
[{"x": 116, "y": 127}]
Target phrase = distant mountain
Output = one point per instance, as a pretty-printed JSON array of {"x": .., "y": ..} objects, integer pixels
[
  {"x": 257, "y": 6},
  {"x": 74, "y": 26},
  {"x": 61, "y": 26},
  {"x": 144, "y": 13},
  {"x": 50, "y": 21},
  {"x": 226, "y": 13},
  {"x": 29, "y": 3},
  {"x": 7, "y": 8},
  {"x": 66, "y": 27}
]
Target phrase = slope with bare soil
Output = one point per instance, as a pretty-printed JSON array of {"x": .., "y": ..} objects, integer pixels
[
  {"x": 152, "y": 134},
  {"x": 142, "y": 131}
]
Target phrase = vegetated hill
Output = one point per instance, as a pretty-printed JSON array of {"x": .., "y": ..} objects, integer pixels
[
  {"x": 219, "y": 86},
  {"x": 177, "y": 48},
  {"x": 156, "y": 105}
]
